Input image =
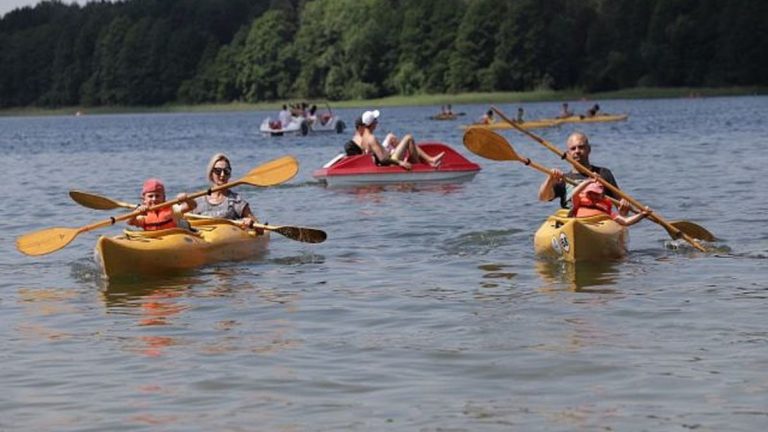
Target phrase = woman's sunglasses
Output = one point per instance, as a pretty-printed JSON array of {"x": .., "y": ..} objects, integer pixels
[{"x": 222, "y": 171}]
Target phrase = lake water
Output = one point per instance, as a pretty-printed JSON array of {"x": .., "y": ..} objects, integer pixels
[{"x": 425, "y": 309}]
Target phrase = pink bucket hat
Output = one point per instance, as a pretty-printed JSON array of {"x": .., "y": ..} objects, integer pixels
[
  {"x": 153, "y": 185},
  {"x": 595, "y": 188}
]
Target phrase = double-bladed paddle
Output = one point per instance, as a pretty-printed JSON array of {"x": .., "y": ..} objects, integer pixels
[
  {"x": 99, "y": 202},
  {"x": 52, "y": 239},
  {"x": 490, "y": 145}
]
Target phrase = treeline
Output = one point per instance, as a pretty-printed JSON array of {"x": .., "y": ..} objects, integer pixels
[{"x": 150, "y": 52}]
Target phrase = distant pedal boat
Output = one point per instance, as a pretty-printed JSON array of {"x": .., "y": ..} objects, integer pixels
[
  {"x": 297, "y": 126},
  {"x": 361, "y": 169},
  {"x": 593, "y": 238},
  {"x": 330, "y": 124}
]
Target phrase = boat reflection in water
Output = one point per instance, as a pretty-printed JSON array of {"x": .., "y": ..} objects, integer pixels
[
  {"x": 589, "y": 276},
  {"x": 162, "y": 316}
]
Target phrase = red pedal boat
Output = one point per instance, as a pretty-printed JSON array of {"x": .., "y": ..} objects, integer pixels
[{"x": 361, "y": 170}]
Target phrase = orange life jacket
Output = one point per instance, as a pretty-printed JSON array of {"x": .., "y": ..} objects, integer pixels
[
  {"x": 158, "y": 220},
  {"x": 584, "y": 206}
]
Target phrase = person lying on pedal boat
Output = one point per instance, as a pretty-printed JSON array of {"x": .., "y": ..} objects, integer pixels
[{"x": 390, "y": 152}]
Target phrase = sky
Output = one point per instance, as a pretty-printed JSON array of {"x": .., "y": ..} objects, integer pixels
[{"x": 9, "y": 5}]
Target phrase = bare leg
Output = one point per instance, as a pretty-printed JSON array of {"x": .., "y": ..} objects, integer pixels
[
  {"x": 435, "y": 161},
  {"x": 399, "y": 151}
]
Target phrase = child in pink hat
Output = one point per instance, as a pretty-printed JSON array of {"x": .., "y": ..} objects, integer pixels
[
  {"x": 153, "y": 193},
  {"x": 589, "y": 200}
]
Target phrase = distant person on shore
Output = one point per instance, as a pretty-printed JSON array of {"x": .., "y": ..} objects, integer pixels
[
  {"x": 555, "y": 186},
  {"x": 565, "y": 112},
  {"x": 589, "y": 200},
  {"x": 404, "y": 153}
]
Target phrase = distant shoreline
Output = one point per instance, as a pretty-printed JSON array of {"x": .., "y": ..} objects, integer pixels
[{"x": 415, "y": 100}]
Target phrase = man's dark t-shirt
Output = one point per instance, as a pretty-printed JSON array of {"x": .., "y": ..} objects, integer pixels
[{"x": 560, "y": 188}]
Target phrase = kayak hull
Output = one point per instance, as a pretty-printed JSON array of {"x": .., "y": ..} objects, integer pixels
[
  {"x": 550, "y": 122},
  {"x": 361, "y": 169},
  {"x": 527, "y": 125},
  {"x": 176, "y": 250},
  {"x": 594, "y": 238},
  {"x": 600, "y": 118}
]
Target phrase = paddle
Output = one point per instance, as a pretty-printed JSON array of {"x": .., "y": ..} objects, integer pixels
[
  {"x": 52, "y": 239},
  {"x": 98, "y": 202},
  {"x": 491, "y": 145},
  {"x": 673, "y": 231},
  {"x": 302, "y": 234}
]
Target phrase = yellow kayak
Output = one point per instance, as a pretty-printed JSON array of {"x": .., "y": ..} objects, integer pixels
[
  {"x": 593, "y": 238},
  {"x": 600, "y": 118},
  {"x": 550, "y": 122},
  {"x": 177, "y": 250},
  {"x": 528, "y": 124}
]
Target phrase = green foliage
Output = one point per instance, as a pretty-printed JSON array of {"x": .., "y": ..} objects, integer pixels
[{"x": 154, "y": 52}]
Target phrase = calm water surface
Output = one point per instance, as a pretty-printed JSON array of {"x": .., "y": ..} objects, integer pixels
[{"x": 425, "y": 309}]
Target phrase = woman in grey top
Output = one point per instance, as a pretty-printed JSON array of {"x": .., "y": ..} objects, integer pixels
[{"x": 224, "y": 203}]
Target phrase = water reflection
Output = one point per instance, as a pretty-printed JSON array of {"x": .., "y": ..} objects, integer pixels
[
  {"x": 155, "y": 304},
  {"x": 373, "y": 190},
  {"x": 596, "y": 277},
  {"x": 162, "y": 314}
]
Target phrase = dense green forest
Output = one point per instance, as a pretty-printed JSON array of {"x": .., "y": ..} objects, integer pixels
[{"x": 152, "y": 52}]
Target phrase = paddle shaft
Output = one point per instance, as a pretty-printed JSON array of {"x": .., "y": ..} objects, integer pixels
[{"x": 582, "y": 169}]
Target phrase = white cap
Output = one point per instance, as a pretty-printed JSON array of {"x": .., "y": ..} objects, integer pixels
[{"x": 370, "y": 116}]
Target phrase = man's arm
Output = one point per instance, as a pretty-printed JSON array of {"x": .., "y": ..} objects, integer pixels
[{"x": 547, "y": 188}]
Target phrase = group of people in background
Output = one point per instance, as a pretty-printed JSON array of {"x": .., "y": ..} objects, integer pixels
[
  {"x": 299, "y": 110},
  {"x": 565, "y": 112}
]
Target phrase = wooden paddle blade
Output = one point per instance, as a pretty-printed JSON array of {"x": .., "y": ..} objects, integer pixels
[
  {"x": 489, "y": 144},
  {"x": 273, "y": 172},
  {"x": 694, "y": 230},
  {"x": 306, "y": 235},
  {"x": 97, "y": 202},
  {"x": 45, "y": 241}
]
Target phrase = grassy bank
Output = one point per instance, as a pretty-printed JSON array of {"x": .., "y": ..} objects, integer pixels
[{"x": 415, "y": 100}]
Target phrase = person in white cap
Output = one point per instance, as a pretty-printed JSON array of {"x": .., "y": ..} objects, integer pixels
[{"x": 405, "y": 153}]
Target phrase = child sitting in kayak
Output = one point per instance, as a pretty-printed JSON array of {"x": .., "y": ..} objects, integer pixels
[
  {"x": 589, "y": 200},
  {"x": 153, "y": 193}
]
